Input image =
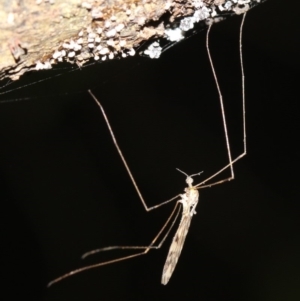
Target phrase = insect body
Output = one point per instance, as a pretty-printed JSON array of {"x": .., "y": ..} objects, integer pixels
[{"x": 189, "y": 201}]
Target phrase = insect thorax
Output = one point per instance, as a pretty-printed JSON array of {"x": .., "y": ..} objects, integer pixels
[{"x": 189, "y": 200}]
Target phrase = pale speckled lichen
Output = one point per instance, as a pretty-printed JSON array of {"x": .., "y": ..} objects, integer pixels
[{"x": 39, "y": 34}]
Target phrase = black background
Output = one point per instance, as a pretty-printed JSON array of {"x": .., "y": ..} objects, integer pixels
[{"x": 64, "y": 190}]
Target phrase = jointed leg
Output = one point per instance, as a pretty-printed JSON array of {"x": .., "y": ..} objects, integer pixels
[
  {"x": 124, "y": 161},
  {"x": 145, "y": 249},
  {"x": 231, "y": 162}
]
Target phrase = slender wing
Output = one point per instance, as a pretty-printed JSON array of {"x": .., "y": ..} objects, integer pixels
[{"x": 175, "y": 248}]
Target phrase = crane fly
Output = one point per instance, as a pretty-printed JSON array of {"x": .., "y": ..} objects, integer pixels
[{"x": 188, "y": 200}]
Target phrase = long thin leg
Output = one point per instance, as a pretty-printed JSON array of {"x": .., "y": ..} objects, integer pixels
[
  {"x": 124, "y": 161},
  {"x": 221, "y": 101},
  {"x": 231, "y": 162},
  {"x": 145, "y": 248}
]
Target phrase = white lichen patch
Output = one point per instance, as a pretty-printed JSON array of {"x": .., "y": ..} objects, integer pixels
[
  {"x": 154, "y": 50},
  {"x": 174, "y": 35},
  {"x": 42, "y": 66}
]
